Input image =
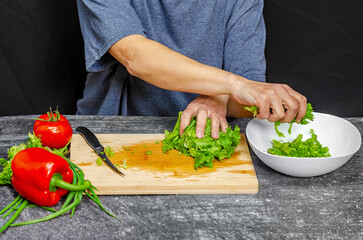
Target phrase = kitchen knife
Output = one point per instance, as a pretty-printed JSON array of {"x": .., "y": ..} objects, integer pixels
[{"x": 92, "y": 140}]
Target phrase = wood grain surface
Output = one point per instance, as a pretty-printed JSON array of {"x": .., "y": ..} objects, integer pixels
[{"x": 150, "y": 171}]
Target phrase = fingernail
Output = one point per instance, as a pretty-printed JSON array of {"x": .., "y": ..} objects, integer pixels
[
  {"x": 199, "y": 134},
  {"x": 214, "y": 135}
]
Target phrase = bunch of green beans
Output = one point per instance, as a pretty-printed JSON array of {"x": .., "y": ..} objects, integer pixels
[{"x": 72, "y": 200}]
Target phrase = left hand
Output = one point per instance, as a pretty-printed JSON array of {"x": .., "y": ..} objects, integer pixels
[{"x": 212, "y": 107}]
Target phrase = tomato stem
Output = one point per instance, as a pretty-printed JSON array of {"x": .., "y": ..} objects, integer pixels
[{"x": 52, "y": 116}]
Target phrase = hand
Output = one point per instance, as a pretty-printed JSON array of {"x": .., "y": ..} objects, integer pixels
[
  {"x": 212, "y": 107},
  {"x": 272, "y": 100}
]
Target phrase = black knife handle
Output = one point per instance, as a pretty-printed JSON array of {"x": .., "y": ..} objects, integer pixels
[{"x": 90, "y": 138}]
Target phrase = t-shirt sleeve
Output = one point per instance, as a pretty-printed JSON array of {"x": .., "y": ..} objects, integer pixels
[
  {"x": 245, "y": 40},
  {"x": 103, "y": 23}
]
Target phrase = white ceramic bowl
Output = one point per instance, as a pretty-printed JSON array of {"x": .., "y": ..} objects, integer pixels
[{"x": 342, "y": 138}]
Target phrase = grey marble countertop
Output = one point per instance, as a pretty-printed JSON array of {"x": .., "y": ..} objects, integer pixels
[{"x": 325, "y": 207}]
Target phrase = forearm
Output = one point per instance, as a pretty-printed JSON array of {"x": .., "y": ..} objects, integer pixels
[
  {"x": 167, "y": 69},
  {"x": 234, "y": 109}
]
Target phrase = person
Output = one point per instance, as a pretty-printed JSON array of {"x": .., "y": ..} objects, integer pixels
[{"x": 164, "y": 56}]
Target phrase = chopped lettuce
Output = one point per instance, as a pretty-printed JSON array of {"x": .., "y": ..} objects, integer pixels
[
  {"x": 109, "y": 151},
  {"x": 299, "y": 148},
  {"x": 252, "y": 109},
  {"x": 124, "y": 164},
  {"x": 203, "y": 150},
  {"x": 99, "y": 161}
]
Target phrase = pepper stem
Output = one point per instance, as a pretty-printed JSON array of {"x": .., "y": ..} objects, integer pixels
[{"x": 57, "y": 182}]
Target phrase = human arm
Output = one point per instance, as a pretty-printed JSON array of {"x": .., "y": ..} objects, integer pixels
[{"x": 165, "y": 68}]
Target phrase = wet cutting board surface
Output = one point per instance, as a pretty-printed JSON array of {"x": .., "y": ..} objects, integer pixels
[{"x": 150, "y": 171}]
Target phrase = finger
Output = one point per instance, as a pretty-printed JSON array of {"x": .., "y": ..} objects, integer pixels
[
  {"x": 224, "y": 123},
  {"x": 215, "y": 126},
  {"x": 185, "y": 119},
  {"x": 302, "y": 109},
  {"x": 263, "y": 108},
  {"x": 290, "y": 114},
  {"x": 201, "y": 122},
  {"x": 278, "y": 111},
  {"x": 291, "y": 107},
  {"x": 302, "y": 101}
]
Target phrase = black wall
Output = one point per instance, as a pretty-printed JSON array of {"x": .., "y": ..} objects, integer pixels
[
  {"x": 314, "y": 46},
  {"x": 41, "y": 56},
  {"x": 317, "y": 48}
]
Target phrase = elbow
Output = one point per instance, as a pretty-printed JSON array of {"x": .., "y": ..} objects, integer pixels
[
  {"x": 136, "y": 65},
  {"x": 127, "y": 59},
  {"x": 131, "y": 67},
  {"x": 129, "y": 53}
]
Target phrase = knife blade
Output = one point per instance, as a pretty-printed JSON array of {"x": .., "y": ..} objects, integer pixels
[{"x": 93, "y": 142}]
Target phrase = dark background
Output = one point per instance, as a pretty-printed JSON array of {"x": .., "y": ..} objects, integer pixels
[{"x": 316, "y": 47}]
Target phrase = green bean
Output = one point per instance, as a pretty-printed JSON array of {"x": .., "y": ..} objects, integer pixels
[
  {"x": 11, "y": 204},
  {"x": 70, "y": 195},
  {"x": 68, "y": 199},
  {"x": 31, "y": 206},
  {"x": 46, "y": 208},
  {"x": 74, "y": 208},
  {"x": 79, "y": 181},
  {"x": 98, "y": 201},
  {"x": 79, "y": 170},
  {"x": 78, "y": 197},
  {"x": 14, "y": 217},
  {"x": 74, "y": 181},
  {"x": 78, "y": 176},
  {"x": 50, "y": 216},
  {"x": 99, "y": 204},
  {"x": 90, "y": 196},
  {"x": 13, "y": 207},
  {"x": 95, "y": 195},
  {"x": 95, "y": 188}
]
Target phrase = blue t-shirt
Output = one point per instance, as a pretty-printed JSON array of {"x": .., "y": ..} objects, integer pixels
[{"x": 228, "y": 34}]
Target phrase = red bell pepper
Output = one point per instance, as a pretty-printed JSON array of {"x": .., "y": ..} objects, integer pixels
[{"x": 43, "y": 177}]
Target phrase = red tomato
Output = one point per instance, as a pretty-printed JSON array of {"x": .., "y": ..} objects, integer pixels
[{"x": 54, "y": 131}]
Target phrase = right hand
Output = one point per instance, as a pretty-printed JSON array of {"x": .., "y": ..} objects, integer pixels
[
  {"x": 212, "y": 107},
  {"x": 272, "y": 99}
]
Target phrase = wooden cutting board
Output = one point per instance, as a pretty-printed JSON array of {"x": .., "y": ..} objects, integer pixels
[{"x": 150, "y": 171}]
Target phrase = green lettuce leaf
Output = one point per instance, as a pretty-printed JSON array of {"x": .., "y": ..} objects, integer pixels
[{"x": 203, "y": 150}]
